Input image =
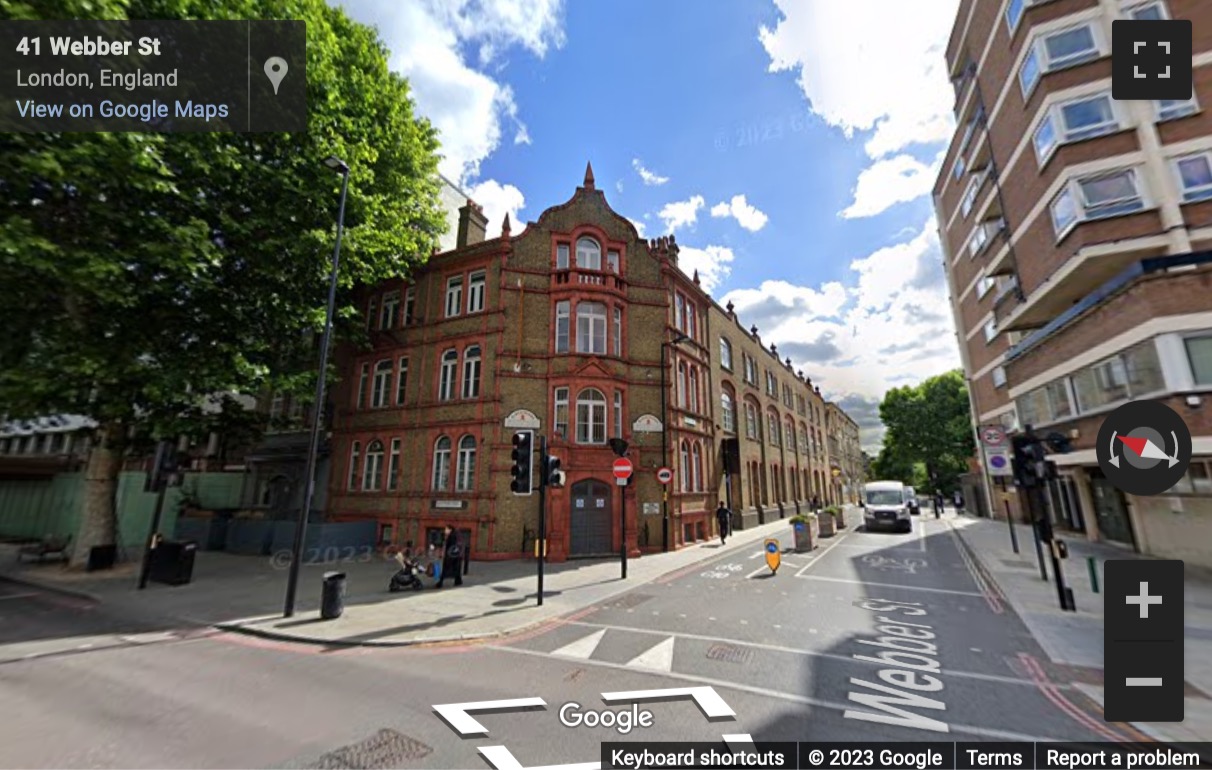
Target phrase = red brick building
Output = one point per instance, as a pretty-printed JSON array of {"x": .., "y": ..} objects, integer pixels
[{"x": 1077, "y": 232}]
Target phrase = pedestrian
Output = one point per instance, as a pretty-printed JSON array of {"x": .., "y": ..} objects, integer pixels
[
  {"x": 959, "y": 501},
  {"x": 938, "y": 503},
  {"x": 816, "y": 504},
  {"x": 452, "y": 558},
  {"x": 724, "y": 517}
]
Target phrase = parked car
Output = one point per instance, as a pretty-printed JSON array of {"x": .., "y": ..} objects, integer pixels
[
  {"x": 886, "y": 504},
  {"x": 915, "y": 506}
]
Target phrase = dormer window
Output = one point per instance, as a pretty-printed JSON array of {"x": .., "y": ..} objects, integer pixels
[{"x": 589, "y": 254}]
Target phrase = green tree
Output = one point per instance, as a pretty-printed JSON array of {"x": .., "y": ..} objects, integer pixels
[
  {"x": 930, "y": 424},
  {"x": 146, "y": 272}
]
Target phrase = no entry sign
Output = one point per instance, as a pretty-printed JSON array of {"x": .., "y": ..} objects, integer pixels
[
  {"x": 664, "y": 475},
  {"x": 622, "y": 468}
]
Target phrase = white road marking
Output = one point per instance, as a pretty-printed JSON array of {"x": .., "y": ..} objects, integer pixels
[
  {"x": 501, "y": 758},
  {"x": 789, "y": 650},
  {"x": 707, "y": 699},
  {"x": 764, "y": 692},
  {"x": 757, "y": 572},
  {"x": 744, "y": 622},
  {"x": 658, "y": 658},
  {"x": 150, "y": 638},
  {"x": 889, "y": 585},
  {"x": 17, "y": 596},
  {"x": 756, "y": 555},
  {"x": 921, "y": 537},
  {"x": 776, "y": 625},
  {"x": 583, "y": 647},
  {"x": 457, "y": 717},
  {"x": 821, "y": 555}
]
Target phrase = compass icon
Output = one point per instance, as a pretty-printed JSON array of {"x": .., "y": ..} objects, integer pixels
[{"x": 1144, "y": 448}]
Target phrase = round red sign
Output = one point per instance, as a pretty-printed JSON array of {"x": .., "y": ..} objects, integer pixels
[
  {"x": 622, "y": 468},
  {"x": 664, "y": 475}
]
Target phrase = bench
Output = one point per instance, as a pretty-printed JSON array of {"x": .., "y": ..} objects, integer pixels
[{"x": 56, "y": 547}]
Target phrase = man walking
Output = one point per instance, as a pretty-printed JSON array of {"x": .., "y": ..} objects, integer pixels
[
  {"x": 723, "y": 517},
  {"x": 452, "y": 558}
]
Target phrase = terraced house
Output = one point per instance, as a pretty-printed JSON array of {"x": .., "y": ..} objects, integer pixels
[{"x": 581, "y": 330}]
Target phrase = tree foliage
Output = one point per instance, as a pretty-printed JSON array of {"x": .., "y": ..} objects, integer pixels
[
  {"x": 928, "y": 425},
  {"x": 148, "y": 271}
]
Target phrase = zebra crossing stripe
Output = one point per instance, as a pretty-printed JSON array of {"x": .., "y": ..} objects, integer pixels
[{"x": 581, "y": 648}]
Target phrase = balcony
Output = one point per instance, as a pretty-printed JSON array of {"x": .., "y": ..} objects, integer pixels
[{"x": 571, "y": 277}]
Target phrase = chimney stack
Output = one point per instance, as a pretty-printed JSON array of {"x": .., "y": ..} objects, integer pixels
[{"x": 472, "y": 225}]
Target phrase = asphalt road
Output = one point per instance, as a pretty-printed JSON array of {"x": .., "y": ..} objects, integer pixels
[{"x": 778, "y": 649}]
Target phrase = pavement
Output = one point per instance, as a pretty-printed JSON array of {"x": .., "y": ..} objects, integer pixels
[{"x": 783, "y": 648}]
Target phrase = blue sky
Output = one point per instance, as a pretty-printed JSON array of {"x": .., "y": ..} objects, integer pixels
[{"x": 788, "y": 145}]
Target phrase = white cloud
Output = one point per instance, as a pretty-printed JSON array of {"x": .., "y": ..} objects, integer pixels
[
  {"x": 470, "y": 108},
  {"x": 747, "y": 216},
  {"x": 619, "y": 185},
  {"x": 713, "y": 264},
  {"x": 889, "y": 78},
  {"x": 887, "y": 182},
  {"x": 497, "y": 201},
  {"x": 681, "y": 213},
  {"x": 639, "y": 226},
  {"x": 649, "y": 177},
  {"x": 891, "y": 325}
]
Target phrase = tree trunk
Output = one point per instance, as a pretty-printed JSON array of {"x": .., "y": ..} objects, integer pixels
[{"x": 98, "y": 520}]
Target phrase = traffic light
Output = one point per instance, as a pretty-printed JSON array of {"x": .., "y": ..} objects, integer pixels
[
  {"x": 523, "y": 451},
  {"x": 552, "y": 475},
  {"x": 1030, "y": 461}
]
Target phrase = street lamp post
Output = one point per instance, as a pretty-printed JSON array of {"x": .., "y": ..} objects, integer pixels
[
  {"x": 317, "y": 412},
  {"x": 680, "y": 338}
]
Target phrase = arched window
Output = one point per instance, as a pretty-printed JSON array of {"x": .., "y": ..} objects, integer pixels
[
  {"x": 694, "y": 389},
  {"x": 372, "y": 476},
  {"x": 591, "y": 328},
  {"x": 728, "y": 410},
  {"x": 789, "y": 434},
  {"x": 696, "y": 454},
  {"x": 687, "y": 479},
  {"x": 382, "y": 384},
  {"x": 589, "y": 254},
  {"x": 441, "y": 464},
  {"x": 353, "y": 465},
  {"x": 465, "y": 477},
  {"x": 772, "y": 426},
  {"x": 682, "y": 387},
  {"x": 471, "y": 372},
  {"x": 803, "y": 438},
  {"x": 751, "y": 421},
  {"x": 591, "y": 417},
  {"x": 450, "y": 367}
]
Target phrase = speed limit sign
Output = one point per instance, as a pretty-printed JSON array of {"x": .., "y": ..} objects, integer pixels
[{"x": 993, "y": 435}]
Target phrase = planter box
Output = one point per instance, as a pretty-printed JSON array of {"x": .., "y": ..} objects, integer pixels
[
  {"x": 826, "y": 524},
  {"x": 802, "y": 535}
]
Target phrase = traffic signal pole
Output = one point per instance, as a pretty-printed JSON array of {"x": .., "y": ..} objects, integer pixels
[{"x": 542, "y": 512}]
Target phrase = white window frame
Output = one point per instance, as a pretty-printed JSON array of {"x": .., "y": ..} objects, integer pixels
[
  {"x": 560, "y": 403},
  {"x": 1181, "y": 109},
  {"x": 372, "y": 471},
  {"x": 978, "y": 241},
  {"x": 363, "y": 381},
  {"x": 409, "y": 311},
  {"x": 752, "y": 422},
  {"x": 473, "y": 357},
  {"x": 563, "y": 327},
  {"x": 968, "y": 202},
  {"x": 440, "y": 480},
  {"x": 613, "y": 261},
  {"x": 616, "y": 320},
  {"x": 1074, "y": 189},
  {"x": 618, "y": 414},
  {"x": 401, "y": 380},
  {"x": 1038, "y": 52},
  {"x": 465, "y": 469},
  {"x": 725, "y": 353},
  {"x": 999, "y": 376},
  {"x": 595, "y": 414},
  {"x": 958, "y": 167},
  {"x": 991, "y": 331},
  {"x": 728, "y": 411},
  {"x": 390, "y": 310},
  {"x": 448, "y": 373},
  {"x": 594, "y": 328},
  {"x": 984, "y": 285},
  {"x": 454, "y": 295},
  {"x": 1062, "y": 134},
  {"x": 563, "y": 251},
  {"x": 393, "y": 466},
  {"x": 353, "y": 465},
  {"x": 1187, "y": 338},
  {"x": 1130, "y": 11},
  {"x": 1012, "y": 24},
  {"x": 589, "y": 253},
  {"x": 1199, "y": 193},
  {"x": 1136, "y": 184},
  {"x": 475, "y": 291},
  {"x": 381, "y": 385}
]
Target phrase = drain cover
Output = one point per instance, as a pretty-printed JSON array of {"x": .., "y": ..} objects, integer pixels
[
  {"x": 385, "y": 749},
  {"x": 729, "y": 653},
  {"x": 630, "y": 600}
]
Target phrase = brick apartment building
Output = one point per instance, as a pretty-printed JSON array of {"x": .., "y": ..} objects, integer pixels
[
  {"x": 563, "y": 329},
  {"x": 1077, "y": 232}
]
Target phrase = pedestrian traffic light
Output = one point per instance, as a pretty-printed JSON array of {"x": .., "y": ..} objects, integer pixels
[
  {"x": 523, "y": 450},
  {"x": 552, "y": 475}
]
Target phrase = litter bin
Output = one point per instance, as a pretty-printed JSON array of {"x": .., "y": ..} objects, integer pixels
[
  {"x": 172, "y": 562},
  {"x": 332, "y": 599}
]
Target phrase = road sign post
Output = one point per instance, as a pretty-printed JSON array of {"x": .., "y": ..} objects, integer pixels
[{"x": 622, "y": 470}]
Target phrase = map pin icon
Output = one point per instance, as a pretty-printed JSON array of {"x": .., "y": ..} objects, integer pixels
[{"x": 275, "y": 70}]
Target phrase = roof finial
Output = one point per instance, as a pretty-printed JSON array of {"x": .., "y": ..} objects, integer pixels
[
  {"x": 731, "y": 307},
  {"x": 696, "y": 277},
  {"x": 588, "y": 175},
  {"x": 753, "y": 330},
  {"x": 505, "y": 225}
]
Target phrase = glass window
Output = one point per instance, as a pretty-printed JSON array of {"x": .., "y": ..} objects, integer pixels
[
  {"x": 1064, "y": 211},
  {"x": 696, "y": 452},
  {"x": 372, "y": 313},
  {"x": 410, "y": 305},
  {"x": 591, "y": 328},
  {"x": 1069, "y": 47},
  {"x": 980, "y": 239},
  {"x": 803, "y": 438},
  {"x": 591, "y": 417},
  {"x": 391, "y": 309},
  {"x": 561, "y": 412},
  {"x": 694, "y": 389},
  {"x": 353, "y": 466},
  {"x": 562, "y": 326},
  {"x": 958, "y": 169},
  {"x": 617, "y": 330},
  {"x": 772, "y": 429},
  {"x": 1088, "y": 118},
  {"x": 984, "y": 285},
  {"x": 1058, "y": 399},
  {"x": 692, "y": 325},
  {"x": 612, "y": 261},
  {"x": 465, "y": 478},
  {"x": 1172, "y": 109},
  {"x": 363, "y": 381},
  {"x": 789, "y": 435},
  {"x": 373, "y": 474},
  {"x": 1144, "y": 369},
  {"x": 618, "y": 413},
  {"x": 1195, "y": 173},
  {"x": 751, "y": 421},
  {"x": 991, "y": 330},
  {"x": 393, "y": 465},
  {"x": 1147, "y": 12},
  {"x": 682, "y": 385},
  {"x": 1110, "y": 194},
  {"x": 562, "y": 256},
  {"x": 401, "y": 381},
  {"x": 679, "y": 312},
  {"x": 475, "y": 292},
  {"x": 471, "y": 372},
  {"x": 1199, "y": 353},
  {"x": 727, "y": 411},
  {"x": 441, "y": 464},
  {"x": 969, "y": 200},
  {"x": 1028, "y": 74},
  {"x": 725, "y": 354},
  {"x": 1014, "y": 13},
  {"x": 454, "y": 296},
  {"x": 999, "y": 376},
  {"x": 589, "y": 254},
  {"x": 685, "y": 470},
  {"x": 382, "y": 384},
  {"x": 446, "y": 383},
  {"x": 1101, "y": 384}
]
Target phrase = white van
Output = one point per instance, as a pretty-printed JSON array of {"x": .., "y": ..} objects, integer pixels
[{"x": 886, "y": 504}]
